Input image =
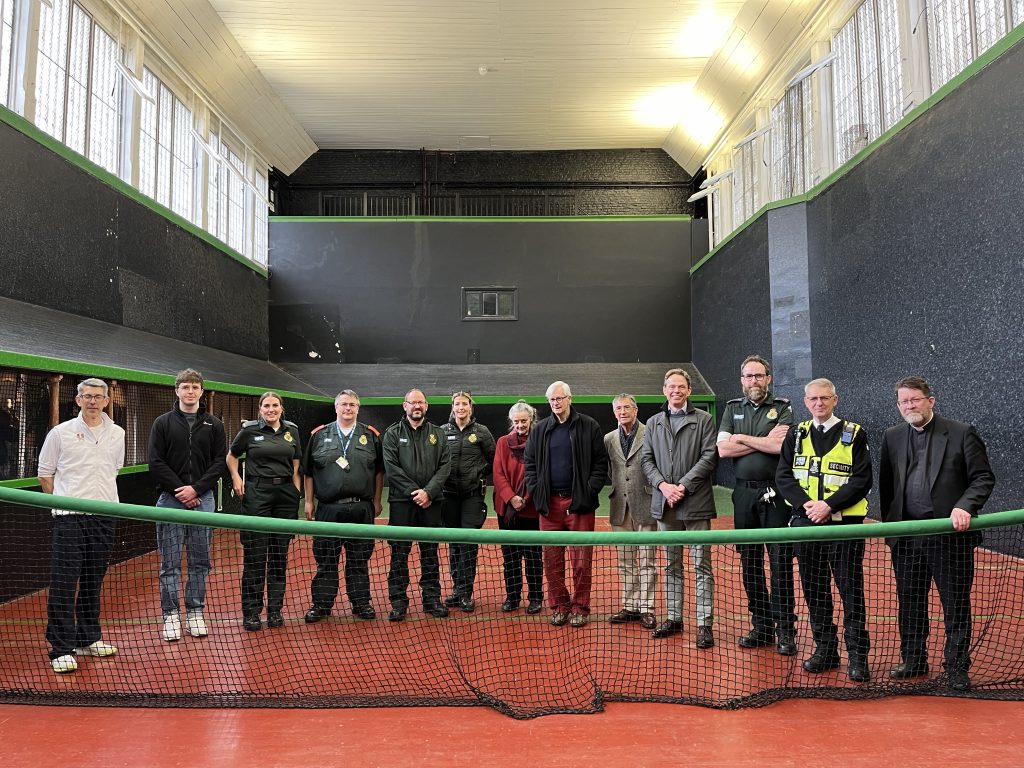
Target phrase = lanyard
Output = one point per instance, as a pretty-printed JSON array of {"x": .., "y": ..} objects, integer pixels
[{"x": 341, "y": 438}]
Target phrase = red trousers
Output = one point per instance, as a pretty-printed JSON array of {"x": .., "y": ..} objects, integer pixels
[{"x": 580, "y": 558}]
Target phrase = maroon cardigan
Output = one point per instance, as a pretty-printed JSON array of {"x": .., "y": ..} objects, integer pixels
[{"x": 509, "y": 474}]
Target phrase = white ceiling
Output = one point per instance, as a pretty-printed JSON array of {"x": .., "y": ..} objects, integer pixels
[{"x": 560, "y": 74}]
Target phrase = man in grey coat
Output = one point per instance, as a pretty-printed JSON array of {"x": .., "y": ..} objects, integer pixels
[
  {"x": 679, "y": 457},
  {"x": 630, "y": 510}
]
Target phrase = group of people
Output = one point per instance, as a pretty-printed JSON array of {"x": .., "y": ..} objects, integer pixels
[{"x": 547, "y": 475}]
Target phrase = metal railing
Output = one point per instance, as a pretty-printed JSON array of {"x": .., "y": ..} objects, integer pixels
[{"x": 457, "y": 204}]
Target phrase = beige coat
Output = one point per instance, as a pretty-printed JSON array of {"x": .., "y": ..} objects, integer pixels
[{"x": 627, "y": 480}]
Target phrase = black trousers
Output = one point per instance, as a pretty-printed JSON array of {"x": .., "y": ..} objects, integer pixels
[
  {"x": 820, "y": 564},
  {"x": 265, "y": 555},
  {"x": 463, "y": 512},
  {"x": 948, "y": 560},
  {"x": 78, "y": 562},
  {"x": 327, "y": 550},
  {"x": 409, "y": 514},
  {"x": 516, "y": 557},
  {"x": 770, "y": 610}
]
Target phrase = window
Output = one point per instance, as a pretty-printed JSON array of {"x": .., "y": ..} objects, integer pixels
[
  {"x": 260, "y": 216},
  {"x": 961, "y": 30},
  {"x": 52, "y": 67},
  {"x": 78, "y": 94},
  {"x": 867, "y": 77},
  {"x": 166, "y": 148},
  {"x": 746, "y": 197},
  {"x": 490, "y": 303},
  {"x": 6, "y": 49},
  {"x": 145, "y": 131},
  {"x": 792, "y": 145},
  {"x": 715, "y": 217}
]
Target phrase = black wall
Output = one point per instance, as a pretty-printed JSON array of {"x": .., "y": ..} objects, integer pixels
[
  {"x": 70, "y": 242},
  {"x": 603, "y": 182},
  {"x": 917, "y": 265},
  {"x": 899, "y": 278},
  {"x": 732, "y": 314},
  {"x": 589, "y": 291}
]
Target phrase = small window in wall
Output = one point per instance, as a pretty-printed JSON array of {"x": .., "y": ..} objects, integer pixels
[{"x": 490, "y": 303}]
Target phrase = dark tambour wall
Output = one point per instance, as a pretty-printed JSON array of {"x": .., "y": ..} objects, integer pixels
[
  {"x": 917, "y": 265},
  {"x": 732, "y": 314},
  {"x": 370, "y": 291},
  {"x": 70, "y": 242}
]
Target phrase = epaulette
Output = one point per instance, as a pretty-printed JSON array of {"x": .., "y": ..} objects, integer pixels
[
  {"x": 373, "y": 429},
  {"x": 734, "y": 400},
  {"x": 784, "y": 400},
  {"x": 251, "y": 423},
  {"x": 290, "y": 424},
  {"x": 322, "y": 426}
]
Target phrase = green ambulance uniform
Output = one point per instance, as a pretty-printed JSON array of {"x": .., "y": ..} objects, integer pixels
[
  {"x": 269, "y": 492},
  {"x": 758, "y": 505},
  {"x": 344, "y": 469}
]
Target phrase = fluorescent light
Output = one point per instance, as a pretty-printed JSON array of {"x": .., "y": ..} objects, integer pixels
[
  {"x": 133, "y": 81},
  {"x": 716, "y": 179},
  {"x": 700, "y": 195},
  {"x": 806, "y": 72},
  {"x": 201, "y": 141}
]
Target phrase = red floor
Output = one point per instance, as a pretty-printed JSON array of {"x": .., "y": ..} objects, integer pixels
[{"x": 903, "y": 732}]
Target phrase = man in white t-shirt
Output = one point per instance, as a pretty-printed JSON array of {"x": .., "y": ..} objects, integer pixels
[{"x": 80, "y": 458}]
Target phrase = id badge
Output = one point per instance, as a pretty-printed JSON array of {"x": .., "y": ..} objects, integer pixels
[{"x": 342, "y": 462}]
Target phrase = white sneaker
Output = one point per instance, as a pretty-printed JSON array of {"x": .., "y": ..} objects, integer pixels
[
  {"x": 172, "y": 628},
  {"x": 65, "y": 663},
  {"x": 99, "y": 648},
  {"x": 197, "y": 624}
]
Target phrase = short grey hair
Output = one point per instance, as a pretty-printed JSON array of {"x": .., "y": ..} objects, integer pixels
[
  {"x": 821, "y": 383},
  {"x": 99, "y": 383},
  {"x": 623, "y": 396},
  {"x": 346, "y": 393},
  {"x": 558, "y": 385}
]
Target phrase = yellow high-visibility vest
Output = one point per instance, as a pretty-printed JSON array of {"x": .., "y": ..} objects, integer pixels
[{"x": 821, "y": 476}]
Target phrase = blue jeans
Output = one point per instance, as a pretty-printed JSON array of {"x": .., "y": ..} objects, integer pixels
[{"x": 171, "y": 539}]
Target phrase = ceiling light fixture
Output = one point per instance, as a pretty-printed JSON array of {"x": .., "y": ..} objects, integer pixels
[
  {"x": 806, "y": 72},
  {"x": 717, "y": 178}
]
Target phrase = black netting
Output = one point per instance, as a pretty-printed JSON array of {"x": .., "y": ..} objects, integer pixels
[{"x": 514, "y": 661}]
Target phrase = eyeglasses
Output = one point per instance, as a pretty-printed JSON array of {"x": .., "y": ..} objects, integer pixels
[
  {"x": 819, "y": 398},
  {"x": 911, "y": 401},
  {"x": 754, "y": 376},
  {"x": 415, "y": 402},
  {"x": 558, "y": 400},
  {"x": 93, "y": 398}
]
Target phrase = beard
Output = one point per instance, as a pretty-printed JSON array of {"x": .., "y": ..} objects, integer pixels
[
  {"x": 755, "y": 393},
  {"x": 915, "y": 419}
]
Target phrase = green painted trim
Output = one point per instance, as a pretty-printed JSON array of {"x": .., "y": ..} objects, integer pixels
[
  {"x": 1002, "y": 46},
  {"x": 473, "y": 219},
  {"x": 492, "y": 536},
  {"x": 33, "y": 482},
  {"x": 57, "y": 365},
  {"x": 23, "y": 126}
]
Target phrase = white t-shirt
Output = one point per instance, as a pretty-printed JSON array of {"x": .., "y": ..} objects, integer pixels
[{"x": 82, "y": 460}]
